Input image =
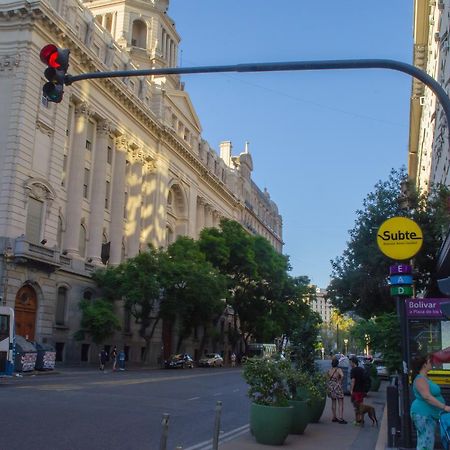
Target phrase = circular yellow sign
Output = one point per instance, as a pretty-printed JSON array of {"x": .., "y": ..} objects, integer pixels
[{"x": 399, "y": 238}]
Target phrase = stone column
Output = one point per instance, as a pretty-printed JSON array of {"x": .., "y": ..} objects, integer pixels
[
  {"x": 134, "y": 205},
  {"x": 208, "y": 216},
  {"x": 148, "y": 192},
  {"x": 192, "y": 212},
  {"x": 76, "y": 179},
  {"x": 97, "y": 216},
  {"x": 160, "y": 205},
  {"x": 118, "y": 200},
  {"x": 200, "y": 215}
]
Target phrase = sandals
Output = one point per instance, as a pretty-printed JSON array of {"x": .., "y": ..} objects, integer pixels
[
  {"x": 342, "y": 421},
  {"x": 335, "y": 419}
]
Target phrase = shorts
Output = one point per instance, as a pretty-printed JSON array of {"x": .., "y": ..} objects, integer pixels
[{"x": 357, "y": 397}]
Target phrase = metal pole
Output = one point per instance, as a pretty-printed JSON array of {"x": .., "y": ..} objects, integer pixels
[
  {"x": 405, "y": 400},
  {"x": 216, "y": 432},
  {"x": 164, "y": 431},
  {"x": 285, "y": 66}
]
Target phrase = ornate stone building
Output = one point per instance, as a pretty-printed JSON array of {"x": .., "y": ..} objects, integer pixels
[
  {"x": 118, "y": 164},
  {"x": 429, "y": 155}
]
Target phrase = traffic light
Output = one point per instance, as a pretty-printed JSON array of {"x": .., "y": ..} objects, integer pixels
[{"x": 57, "y": 60}]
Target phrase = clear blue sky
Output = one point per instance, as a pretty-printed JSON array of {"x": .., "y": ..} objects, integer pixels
[{"x": 319, "y": 140}]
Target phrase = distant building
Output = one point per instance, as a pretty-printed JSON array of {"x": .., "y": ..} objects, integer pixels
[
  {"x": 118, "y": 164},
  {"x": 322, "y": 306}
]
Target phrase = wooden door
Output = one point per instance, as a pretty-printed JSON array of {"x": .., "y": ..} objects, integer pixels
[{"x": 25, "y": 312}]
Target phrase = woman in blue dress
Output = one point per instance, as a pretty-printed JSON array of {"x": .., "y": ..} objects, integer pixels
[{"x": 428, "y": 403}]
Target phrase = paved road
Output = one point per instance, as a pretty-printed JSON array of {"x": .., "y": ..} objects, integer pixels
[{"x": 121, "y": 410}]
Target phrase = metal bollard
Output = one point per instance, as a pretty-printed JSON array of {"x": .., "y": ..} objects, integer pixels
[
  {"x": 215, "y": 442},
  {"x": 164, "y": 431}
]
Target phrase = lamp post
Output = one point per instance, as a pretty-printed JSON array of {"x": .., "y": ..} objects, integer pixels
[
  {"x": 346, "y": 346},
  {"x": 367, "y": 340}
]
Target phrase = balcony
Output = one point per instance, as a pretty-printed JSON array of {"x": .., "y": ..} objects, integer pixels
[{"x": 26, "y": 252}]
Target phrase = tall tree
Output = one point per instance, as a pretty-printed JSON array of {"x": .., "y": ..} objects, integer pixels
[
  {"x": 137, "y": 281},
  {"x": 193, "y": 291},
  {"x": 360, "y": 276}
]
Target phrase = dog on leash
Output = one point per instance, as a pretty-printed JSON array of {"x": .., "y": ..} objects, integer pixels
[{"x": 370, "y": 410}]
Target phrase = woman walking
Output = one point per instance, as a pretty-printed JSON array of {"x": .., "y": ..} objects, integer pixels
[
  {"x": 428, "y": 403},
  {"x": 335, "y": 391}
]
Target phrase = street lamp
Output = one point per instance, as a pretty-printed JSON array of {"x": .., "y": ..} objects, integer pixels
[
  {"x": 367, "y": 339},
  {"x": 346, "y": 345}
]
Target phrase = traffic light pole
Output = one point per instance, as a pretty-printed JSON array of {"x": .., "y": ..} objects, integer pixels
[{"x": 285, "y": 66}]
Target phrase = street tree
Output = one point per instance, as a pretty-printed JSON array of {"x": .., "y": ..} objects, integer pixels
[
  {"x": 360, "y": 276},
  {"x": 137, "y": 282},
  {"x": 98, "y": 320},
  {"x": 193, "y": 290}
]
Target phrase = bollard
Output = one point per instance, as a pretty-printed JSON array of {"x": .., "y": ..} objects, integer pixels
[
  {"x": 215, "y": 443},
  {"x": 164, "y": 431}
]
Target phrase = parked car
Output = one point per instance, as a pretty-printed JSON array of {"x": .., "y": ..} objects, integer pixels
[
  {"x": 211, "y": 360},
  {"x": 181, "y": 361},
  {"x": 382, "y": 370}
]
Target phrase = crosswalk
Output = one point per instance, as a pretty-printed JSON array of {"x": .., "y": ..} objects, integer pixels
[{"x": 224, "y": 437}]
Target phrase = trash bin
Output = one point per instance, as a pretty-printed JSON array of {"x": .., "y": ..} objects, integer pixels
[
  {"x": 344, "y": 364},
  {"x": 122, "y": 360},
  {"x": 46, "y": 357},
  {"x": 26, "y": 354}
]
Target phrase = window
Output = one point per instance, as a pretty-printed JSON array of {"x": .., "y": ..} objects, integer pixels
[
  {"x": 59, "y": 349},
  {"x": 61, "y": 304},
  {"x": 107, "y": 194},
  {"x": 109, "y": 155},
  {"x": 139, "y": 34},
  {"x": 34, "y": 219},
  {"x": 126, "y": 320},
  {"x": 90, "y": 135},
  {"x": 64, "y": 171},
  {"x": 82, "y": 241},
  {"x": 59, "y": 232},
  {"x": 125, "y": 204},
  {"x": 87, "y": 295},
  {"x": 87, "y": 175}
]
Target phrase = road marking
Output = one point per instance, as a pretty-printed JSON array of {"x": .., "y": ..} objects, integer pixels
[
  {"x": 193, "y": 398},
  {"x": 218, "y": 393},
  {"x": 236, "y": 390},
  {"x": 225, "y": 437},
  {"x": 53, "y": 387}
]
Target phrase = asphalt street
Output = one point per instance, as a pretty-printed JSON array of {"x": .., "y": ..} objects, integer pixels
[{"x": 88, "y": 409}]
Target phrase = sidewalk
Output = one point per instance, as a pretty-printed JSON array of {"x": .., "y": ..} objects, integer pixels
[{"x": 326, "y": 434}]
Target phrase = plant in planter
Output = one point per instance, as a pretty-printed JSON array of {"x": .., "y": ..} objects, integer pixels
[
  {"x": 270, "y": 414},
  {"x": 375, "y": 381},
  {"x": 298, "y": 382},
  {"x": 318, "y": 395}
]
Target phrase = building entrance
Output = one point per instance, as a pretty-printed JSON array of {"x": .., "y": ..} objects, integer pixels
[{"x": 25, "y": 312}]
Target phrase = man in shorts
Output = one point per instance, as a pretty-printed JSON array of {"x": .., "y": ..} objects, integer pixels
[{"x": 357, "y": 391}]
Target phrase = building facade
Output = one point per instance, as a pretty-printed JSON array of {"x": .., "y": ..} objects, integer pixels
[
  {"x": 429, "y": 155},
  {"x": 118, "y": 164},
  {"x": 321, "y": 305}
]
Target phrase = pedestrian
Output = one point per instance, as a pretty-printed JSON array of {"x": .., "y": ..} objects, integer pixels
[
  {"x": 428, "y": 403},
  {"x": 102, "y": 357},
  {"x": 233, "y": 360},
  {"x": 357, "y": 391},
  {"x": 114, "y": 358},
  {"x": 335, "y": 391}
]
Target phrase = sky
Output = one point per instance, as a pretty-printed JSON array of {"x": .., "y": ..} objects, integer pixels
[{"x": 319, "y": 140}]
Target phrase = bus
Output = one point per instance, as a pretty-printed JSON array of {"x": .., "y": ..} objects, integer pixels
[
  {"x": 261, "y": 350},
  {"x": 6, "y": 341}
]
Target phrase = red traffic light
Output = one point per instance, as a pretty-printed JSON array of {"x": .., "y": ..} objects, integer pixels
[{"x": 55, "y": 57}]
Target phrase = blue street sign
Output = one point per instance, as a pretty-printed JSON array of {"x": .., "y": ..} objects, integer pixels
[{"x": 401, "y": 279}]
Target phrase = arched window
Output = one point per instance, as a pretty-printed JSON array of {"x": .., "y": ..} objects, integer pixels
[
  {"x": 82, "y": 241},
  {"x": 61, "y": 306},
  {"x": 139, "y": 34}
]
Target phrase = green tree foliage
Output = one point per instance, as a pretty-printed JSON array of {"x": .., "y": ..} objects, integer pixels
[
  {"x": 193, "y": 291},
  {"x": 360, "y": 276},
  {"x": 98, "y": 320},
  {"x": 137, "y": 282},
  {"x": 384, "y": 337}
]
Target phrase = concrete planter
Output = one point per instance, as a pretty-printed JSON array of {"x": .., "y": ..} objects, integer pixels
[
  {"x": 301, "y": 415},
  {"x": 317, "y": 407},
  {"x": 270, "y": 424}
]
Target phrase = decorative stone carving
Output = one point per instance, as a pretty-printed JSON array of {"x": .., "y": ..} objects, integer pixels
[
  {"x": 83, "y": 109},
  {"x": 44, "y": 128},
  {"x": 122, "y": 142},
  {"x": 104, "y": 127},
  {"x": 9, "y": 62}
]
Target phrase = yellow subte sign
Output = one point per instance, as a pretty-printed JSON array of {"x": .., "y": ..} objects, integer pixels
[{"x": 399, "y": 238}]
